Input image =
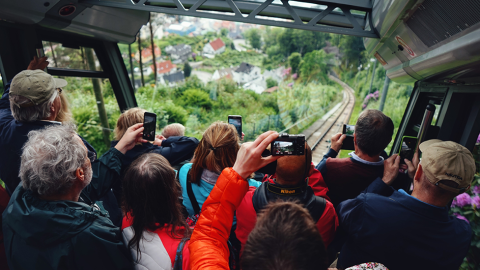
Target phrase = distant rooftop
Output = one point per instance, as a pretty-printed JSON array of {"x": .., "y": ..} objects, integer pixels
[
  {"x": 244, "y": 68},
  {"x": 217, "y": 44}
]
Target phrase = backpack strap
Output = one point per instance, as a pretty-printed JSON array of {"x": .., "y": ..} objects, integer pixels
[
  {"x": 193, "y": 200},
  {"x": 177, "y": 265},
  {"x": 316, "y": 207}
]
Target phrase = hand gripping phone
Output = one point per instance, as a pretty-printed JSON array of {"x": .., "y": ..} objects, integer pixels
[
  {"x": 149, "y": 125},
  {"x": 407, "y": 149}
]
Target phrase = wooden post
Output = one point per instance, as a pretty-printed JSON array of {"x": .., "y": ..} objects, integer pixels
[{"x": 97, "y": 89}]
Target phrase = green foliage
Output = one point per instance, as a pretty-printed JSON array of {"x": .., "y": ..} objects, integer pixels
[
  {"x": 353, "y": 49},
  {"x": 471, "y": 212},
  {"x": 301, "y": 41},
  {"x": 271, "y": 82},
  {"x": 187, "y": 69},
  {"x": 224, "y": 32},
  {"x": 294, "y": 61},
  {"x": 253, "y": 37},
  {"x": 314, "y": 66},
  {"x": 194, "y": 98},
  {"x": 233, "y": 58}
]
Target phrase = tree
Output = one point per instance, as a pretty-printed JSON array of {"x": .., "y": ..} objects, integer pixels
[
  {"x": 314, "y": 65},
  {"x": 271, "y": 82},
  {"x": 294, "y": 61},
  {"x": 254, "y": 38},
  {"x": 353, "y": 49},
  {"x": 224, "y": 32},
  {"x": 187, "y": 69}
]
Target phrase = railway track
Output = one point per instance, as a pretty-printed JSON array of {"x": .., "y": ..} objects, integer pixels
[{"x": 324, "y": 129}]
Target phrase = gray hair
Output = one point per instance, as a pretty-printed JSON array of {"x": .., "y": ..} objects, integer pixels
[
  {"x": 175, "y": 129},
  {"x": 50, "y": 159},
  {"x": 30, "y": 114}
]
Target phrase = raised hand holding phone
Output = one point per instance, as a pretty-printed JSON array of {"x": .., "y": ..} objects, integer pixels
[{"x": 149, "y": 123}]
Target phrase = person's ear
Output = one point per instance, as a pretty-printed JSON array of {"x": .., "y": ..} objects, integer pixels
[
  {"x": 80, "y": 174},
  {"x": 355, "y": 138},
  {"x": 52, "y": 108},
  {"x": 418, "y": 173}
]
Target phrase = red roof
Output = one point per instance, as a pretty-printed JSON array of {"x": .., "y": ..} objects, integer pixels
[
  {"x": 147, "y": 52},
  {"x": 217, "y": 44},
  {"x": 164, "y": 67},
  {"x": 271, "y": 89}
]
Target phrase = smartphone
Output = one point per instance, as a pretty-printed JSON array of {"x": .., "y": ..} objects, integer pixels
[
  {"x": 288, "y": 145},
  {"x": 407, "y": 149},
  {"x": 348, "y": 143},
  {"x": 236, "y": 120},
  {"x": 149, "y": 124}
]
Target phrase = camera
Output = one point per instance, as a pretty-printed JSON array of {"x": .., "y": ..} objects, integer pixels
[{"x": 288, "y": 145}]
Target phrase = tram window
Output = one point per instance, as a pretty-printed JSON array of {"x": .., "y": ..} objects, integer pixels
[
  {"x": 61, "y": 56},
  {"x": 85, "y": 107}
]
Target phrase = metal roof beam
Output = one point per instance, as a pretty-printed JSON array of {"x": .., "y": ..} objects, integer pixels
[{"x": 323, "y": 16}]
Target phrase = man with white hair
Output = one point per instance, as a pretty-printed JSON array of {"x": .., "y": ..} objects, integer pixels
[
  {"x": 52, "y": 221},
  {"x": 30, "y": 102}
]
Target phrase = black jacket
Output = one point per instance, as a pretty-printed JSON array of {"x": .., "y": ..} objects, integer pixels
[{"x": 42, "y": 234}]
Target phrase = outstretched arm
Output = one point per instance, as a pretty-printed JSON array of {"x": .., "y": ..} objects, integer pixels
[{"x": 208, "y": 245}]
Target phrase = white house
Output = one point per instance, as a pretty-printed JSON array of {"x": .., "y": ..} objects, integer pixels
[
  {"x": 215, "y": 47},
  {"x": 275, "y": 74},
  {"x": 220, "y": 73},
  {"x": 258, "y": 85},
  {"x": 246, "y": 73}
]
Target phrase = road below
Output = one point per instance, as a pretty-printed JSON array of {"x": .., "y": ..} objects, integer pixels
[{"x": 205, "y": 77}]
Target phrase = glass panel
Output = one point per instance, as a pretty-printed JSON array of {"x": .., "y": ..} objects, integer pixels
[
  {"x": 60, "y": 56},
  {"x": 93, "y": 108}
]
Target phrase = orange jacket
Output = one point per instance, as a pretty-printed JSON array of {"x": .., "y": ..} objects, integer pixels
[{"x": 208, "y": 244}]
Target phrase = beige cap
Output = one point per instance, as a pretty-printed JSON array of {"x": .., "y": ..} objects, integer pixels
[
  {"x": 36, "y": 85},
  {"x": 447, "y": 161}
]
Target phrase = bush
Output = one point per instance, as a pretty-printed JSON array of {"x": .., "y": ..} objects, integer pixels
[
  {"x": 196, "y": 98},
  {"x": 466, "y": 206},
  {"x": 176, "y": 114},
  {"x": 271, "y": 82}
]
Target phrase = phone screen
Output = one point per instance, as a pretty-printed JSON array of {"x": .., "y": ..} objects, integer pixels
[
  {"x": 408, "y": 148},
  {"x": 237, "y": 122},
  {"x": 348, "y": 130},
  {"x": 149, "y": 123}
]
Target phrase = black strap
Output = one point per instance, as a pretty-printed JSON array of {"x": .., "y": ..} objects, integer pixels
[
  {"x": 177, "y": 265},
  {"x": 314, "y": 204},
  {"x": 193, "y": 200}
]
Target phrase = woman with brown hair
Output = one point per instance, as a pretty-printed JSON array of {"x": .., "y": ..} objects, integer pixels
[
  {"x": 154, "y": 228},
  {"x": 217, "y": 150}
]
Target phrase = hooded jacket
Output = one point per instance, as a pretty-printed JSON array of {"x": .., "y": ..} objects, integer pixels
[{"x": 43, "y": 234}]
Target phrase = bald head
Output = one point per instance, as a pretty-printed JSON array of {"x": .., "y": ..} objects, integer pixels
[{"x": 291, "y": 169}]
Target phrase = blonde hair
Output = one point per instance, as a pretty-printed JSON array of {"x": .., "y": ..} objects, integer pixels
[
  {"x": 216, "y": 151},
  {"x": 64, "y": 115},
  {"x": 175, "y": 129},
  {"x": 127, "y": 119}
]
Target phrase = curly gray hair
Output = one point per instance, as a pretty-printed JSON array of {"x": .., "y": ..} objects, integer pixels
[
  {"x": 50, "y": 159},
  {"x": 30, "y": 114}
]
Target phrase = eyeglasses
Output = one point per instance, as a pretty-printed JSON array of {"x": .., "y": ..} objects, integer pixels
[
  {"x": 92, "y": 156},
  {"x": 59, "y": 90}
]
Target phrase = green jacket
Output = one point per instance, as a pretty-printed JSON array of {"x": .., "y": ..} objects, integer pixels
[{"x": 42, "y": 234}]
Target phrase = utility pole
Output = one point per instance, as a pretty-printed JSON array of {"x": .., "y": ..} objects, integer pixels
[
  {"x": 131, "y": 66},
  {"x": 140, "y": 58},
  {"x": 97, "y": 89},
  {"x": 373, "y": 76},
  {"x": 153, "y": 51},
  {"x": 386, "y": 84}
]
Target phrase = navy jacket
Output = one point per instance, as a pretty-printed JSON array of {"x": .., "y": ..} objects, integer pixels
[
  {"x": 393, "y": 228},
  {"x": 13, "y": 135}
]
